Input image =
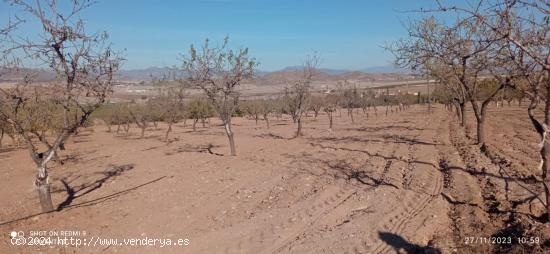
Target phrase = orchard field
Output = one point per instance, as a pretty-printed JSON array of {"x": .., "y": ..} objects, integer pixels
[{"x": 410, "y": 181}]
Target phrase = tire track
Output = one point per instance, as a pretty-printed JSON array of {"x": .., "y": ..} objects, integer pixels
[
  {"x": 278, "y": 235},
  {"x": 286, "y": 242},
  {"x": 405, "y": 215},
  {"x": 278, "y": 247},
  {"x": 361, "y": 246},
  {"x": 400, "y": 217}
]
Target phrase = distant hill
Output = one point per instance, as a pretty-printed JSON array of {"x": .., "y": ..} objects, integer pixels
[
  {"x": 385, "y": 69},
  {"x": 12, "y": 75},
  {"x": 146, "y": 74},
  {"x": 286, "y": 75},
  {"x": 292, "y": 73}
]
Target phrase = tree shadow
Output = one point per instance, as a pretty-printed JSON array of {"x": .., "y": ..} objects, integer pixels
[
  {"x": 345, "y": 170},
  {"x": 399, "y": 244},
  {"x": 384, "y": 128},
  {"x": 151, "y": 148},
  {"x": 195, "y": 131},
  {"x": 280, "y": 124},
  {"x": 406, "y": 140},
  {"x": 7, "y": 149},
  {"x": 85, "y": 188},
  {"x": 396, "y": 139},
  {"x": 82, "y": 140},
  {"x": 534, "y": 195},
  {"x": 145, "y": 137},
  {"x": 354, "y": 150},
  {"x": 87, "y": 203},
  {"x": 187, "y": 148},
  {"x": 270, "y": 135},
  {"x": 73, "y": 157}
]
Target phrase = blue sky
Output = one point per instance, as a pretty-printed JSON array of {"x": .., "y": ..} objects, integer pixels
[{"x": 348, "y": 34}]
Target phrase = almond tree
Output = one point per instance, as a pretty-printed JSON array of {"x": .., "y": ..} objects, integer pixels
[
  {"x": 523, "y": 26},
  {"x": 198, "y": 109},
  {"x": 218, "y": 72},
  {"x": 465, "y": 50},
  {"x": 141, "y": 115},
  {"x": 350, "y": 100},
  {"x": 84, "y": 65},
  {"x": 253, "y": 108},
  {"x": 268, "y": 106},
  {"x": 330, "y": 103},
  {"x": 171, "y": 103},
  {"x": 315, "y": 104},
  {"x": 298, "y": 95}
]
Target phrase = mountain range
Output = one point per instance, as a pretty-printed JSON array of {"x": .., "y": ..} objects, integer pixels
[{"x": 283, "y": 75}]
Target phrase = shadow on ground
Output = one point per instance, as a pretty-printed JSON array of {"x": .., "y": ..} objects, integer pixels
[
  {"x": 86, "y": 188},
  {"x": 400, "y": 245},
  {"x": 87, "y": 203}
]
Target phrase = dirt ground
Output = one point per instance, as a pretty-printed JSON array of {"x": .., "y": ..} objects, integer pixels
[{"x": 410, "y": 182}]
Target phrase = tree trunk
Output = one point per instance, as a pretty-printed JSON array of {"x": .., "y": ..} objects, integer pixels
[
  {"x": 43, "y": 185},
  {"x": 266, "y": 120},
  {"x": 480, "y": 114},
  {"x": 351, "y": 116},
  {"x": 481, "y": 130},
  {"x": 168, "y": 131},
  {"x": 463, "y": 114},
  {"x": 118, "y": 128},
  {"x": 43, "y": 188},
  {"x": 229, "y": 133},
  {"x": 1, "y": 137},
  {"x": 203, "y": 122},
  {"x": 330, "y": 120},
  {"x": 299, "y": 130},
  {"x": 545, "y": 154},
  {"x": 143, "y": 127},
  {"x": 195, "y": 124},
  {"x": 545, "y": 150},
  {"x": 458, "y": 113}
]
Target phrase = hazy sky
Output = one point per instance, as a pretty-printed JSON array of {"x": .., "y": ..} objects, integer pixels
[{"x": 347, "y": 34}]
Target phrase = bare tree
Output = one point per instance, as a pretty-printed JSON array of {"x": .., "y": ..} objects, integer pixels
[
  {"x": 141, "y": 115},
  {"x": 523, "y": 27},
  {"x": 198, "y": 109},
  {"x": 268, "y": 106},
  {"x": 350, "y": 100},
  {"x": 465, "y": 51},
  {"x": 315, "y": 104},
  {"x": 84, "y": 65},
  {"x": 253, "y": 108},
  {"x": 297, "y": 96},
  {"x": 172, "y": 104},
  {"x": 330, "y": 103},
  {"x": 219, "y": 71}
]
